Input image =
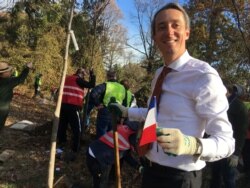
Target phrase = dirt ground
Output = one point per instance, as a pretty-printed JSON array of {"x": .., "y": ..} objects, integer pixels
[{"x": 28, "y": 167}]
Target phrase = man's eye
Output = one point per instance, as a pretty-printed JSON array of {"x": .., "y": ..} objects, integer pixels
[
  {"x": 175, "y": 25},
  {"x": 161, "y": 28}
]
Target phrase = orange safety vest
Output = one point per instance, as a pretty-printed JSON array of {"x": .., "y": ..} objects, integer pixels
[
  {"x": 72, "y": 93},
  {"x": 123, "y": 137}
]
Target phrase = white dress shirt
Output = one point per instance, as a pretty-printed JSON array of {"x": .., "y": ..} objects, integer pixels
[{"x": 193, "y": 99}]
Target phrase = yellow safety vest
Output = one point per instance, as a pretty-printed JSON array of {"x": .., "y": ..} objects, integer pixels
[{"x": 116, "y": 90}]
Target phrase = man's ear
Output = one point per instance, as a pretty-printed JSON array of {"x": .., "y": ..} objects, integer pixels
[
  {"x": 187, "y": 33},
  {"x": 154, "y": 43}
]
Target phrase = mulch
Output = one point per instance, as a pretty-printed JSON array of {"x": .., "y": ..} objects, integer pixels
[{"x": 28, "y": 167}]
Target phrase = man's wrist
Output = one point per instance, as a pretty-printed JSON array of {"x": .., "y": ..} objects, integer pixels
[{"x": 198, "y": 150}]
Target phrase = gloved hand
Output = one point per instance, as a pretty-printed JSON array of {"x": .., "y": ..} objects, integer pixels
[
  {"x": 119, "y": 108},
  {"x": 87, "y": 120},
  {"x": 173, "y": 141},
  {"x": 141, "y": 169},
  {"x": 233, "y": 160}
]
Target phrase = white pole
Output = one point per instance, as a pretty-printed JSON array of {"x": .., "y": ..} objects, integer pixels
[
  {"x": 58, "y": 106},
  {"x": 74, "y": 40}
]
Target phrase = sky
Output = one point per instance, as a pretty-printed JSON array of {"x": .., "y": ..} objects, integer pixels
[{"x": 127, "y": 8}]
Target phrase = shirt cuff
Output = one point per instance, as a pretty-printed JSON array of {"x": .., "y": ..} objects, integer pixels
[{"x": 137, "y": 114}]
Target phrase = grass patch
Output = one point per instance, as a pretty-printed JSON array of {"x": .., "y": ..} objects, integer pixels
[{"x": 247, "y": 104}]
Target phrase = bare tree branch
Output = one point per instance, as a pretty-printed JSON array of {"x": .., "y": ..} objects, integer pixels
[
  {"x": 136, "y": 49},
  {"x": 239, "y": 27}
]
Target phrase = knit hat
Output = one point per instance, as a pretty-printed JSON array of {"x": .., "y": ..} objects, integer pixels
[
  {"x": 4, "y": 67},
  {"x": 238, "y": 90},
  {"x": 81, "y": 71},
  {"x": 111, "y": 74}
]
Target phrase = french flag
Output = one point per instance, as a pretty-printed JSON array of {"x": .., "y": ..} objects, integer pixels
[{"x": 148, "y": 134}]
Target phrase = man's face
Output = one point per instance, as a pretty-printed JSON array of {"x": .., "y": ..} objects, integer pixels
[
  {"x": 171, "y": 34},
  {"x": 6, "y": 74},
  {"x": 81, "y": 75}
]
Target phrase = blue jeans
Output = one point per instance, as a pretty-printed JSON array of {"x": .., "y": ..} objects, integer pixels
[
  {"x": 223, "y": 173},
  {"x": 103, "y": 122}
]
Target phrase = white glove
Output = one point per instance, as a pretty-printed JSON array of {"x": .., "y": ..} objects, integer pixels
[
  {"x": 233, "y": 160},
  {"x": 141, "y": 169},
  {"x": 122, "y": 109},
  {"x": 174, "y": 142}
]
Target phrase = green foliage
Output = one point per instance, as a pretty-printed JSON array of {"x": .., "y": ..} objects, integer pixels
[
  {"x": 215, "y": 37},
  {"x": 30, "y": 37},
  {"x": 139, "y": 83},
  {"x": 134, "y": 73},
  {"x": 247, "y": 104},
  {"x": 36, "y": 31}
]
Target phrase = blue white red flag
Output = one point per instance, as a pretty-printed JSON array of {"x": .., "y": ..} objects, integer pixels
[{"x": 148, "y": 134}]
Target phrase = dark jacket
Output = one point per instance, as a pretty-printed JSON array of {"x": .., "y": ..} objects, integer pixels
[
  {"x": 238, "y": 117},
  {"x": 105, "y": 154},
  {"x": 97, "y": 95},
  {"x": 6, "y": 93},
  {"x": 6, "y": 88}
]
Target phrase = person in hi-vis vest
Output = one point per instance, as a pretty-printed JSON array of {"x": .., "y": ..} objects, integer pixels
[
  {"x": 100, "y": 98},
  {"x": 130, "y": 97},
  {"x": 72, "y": 100},
  {"x": 100, "y": 153}
]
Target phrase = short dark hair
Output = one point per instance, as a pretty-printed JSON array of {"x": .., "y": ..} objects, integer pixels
[
  {"x": 125, "y": 83},
  {"x": 81, "y": 71},
  {"x": 171, "y": 6},
  {"x": 111, "y": 74},
  {"x": 239, "y": 90}
]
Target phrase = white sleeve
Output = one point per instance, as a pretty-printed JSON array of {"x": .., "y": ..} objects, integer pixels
[
  {"x": 212, "y": 105},
  {"x": 137, "y": 114}
]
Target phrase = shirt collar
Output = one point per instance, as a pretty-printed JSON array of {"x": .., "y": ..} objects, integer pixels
[{"x": 178, "y": 63}]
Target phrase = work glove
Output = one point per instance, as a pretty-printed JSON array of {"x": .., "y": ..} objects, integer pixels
[
  {"x": 119, "y": 109},
  {"x": 174, "y": 142},
  {"x": 87, "y": 120},
  {"x": 141, "y": 169},
  {"x": 233, "y": 160}
]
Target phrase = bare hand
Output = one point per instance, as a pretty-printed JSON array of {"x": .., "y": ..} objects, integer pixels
[{"x": 30, "y": 65}]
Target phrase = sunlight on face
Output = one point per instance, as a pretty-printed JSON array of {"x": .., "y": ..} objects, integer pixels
[{"x": 171, "y": 34}]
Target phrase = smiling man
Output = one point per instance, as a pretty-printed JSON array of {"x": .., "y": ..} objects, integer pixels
[
  {"x": 170, "y": 31},
  {"x": 192, "y": 101}
]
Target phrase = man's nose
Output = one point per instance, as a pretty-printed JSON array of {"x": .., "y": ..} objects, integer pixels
[{"x": 169, "y": 30}]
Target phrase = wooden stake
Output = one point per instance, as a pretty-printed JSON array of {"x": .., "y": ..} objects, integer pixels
[
  {"x": 58, "y": 105},
  {"x": 116, "y": 149}
]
